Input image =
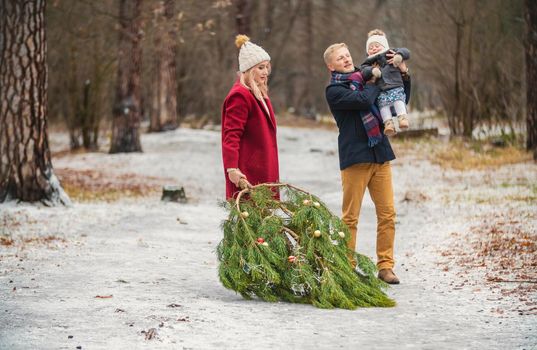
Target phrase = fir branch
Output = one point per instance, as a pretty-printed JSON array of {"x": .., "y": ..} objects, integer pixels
[{"x": 270, "y": 250}]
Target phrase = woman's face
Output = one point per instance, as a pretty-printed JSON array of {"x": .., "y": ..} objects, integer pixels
[{"x": 261, "y": 71}]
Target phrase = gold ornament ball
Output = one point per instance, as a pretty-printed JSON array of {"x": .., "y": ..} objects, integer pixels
[
  {"x": 341, "y": 234},
  {"x": 245, "y": 214},
  {"x": 317, "y": 233},
  {"x": 316, "y": 204},
  {"x": 306, "y": 202},
  {"x": 265, "y": 244}
]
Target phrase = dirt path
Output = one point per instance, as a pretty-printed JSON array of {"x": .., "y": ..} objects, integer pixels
[{"x": 139, "y": 273}]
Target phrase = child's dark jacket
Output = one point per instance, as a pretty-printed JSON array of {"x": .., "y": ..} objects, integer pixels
[{"x": 391, "y": 76}]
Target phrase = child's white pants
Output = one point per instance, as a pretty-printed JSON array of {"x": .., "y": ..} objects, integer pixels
[{"x": 386, "y": 113}]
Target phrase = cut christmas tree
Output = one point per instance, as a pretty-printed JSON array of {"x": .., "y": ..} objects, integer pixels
[{"x": 283, "y": 243}]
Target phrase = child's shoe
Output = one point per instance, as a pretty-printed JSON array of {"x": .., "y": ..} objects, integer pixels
[
  {"x": 403, "y": 122},
  {"x": 389, "y": 128}
]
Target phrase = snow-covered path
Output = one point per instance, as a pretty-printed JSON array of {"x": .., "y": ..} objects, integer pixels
[{"x": 155, "y": 263}]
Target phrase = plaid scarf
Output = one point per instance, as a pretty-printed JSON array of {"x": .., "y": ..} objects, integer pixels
[{"x": 371, "y": 119}]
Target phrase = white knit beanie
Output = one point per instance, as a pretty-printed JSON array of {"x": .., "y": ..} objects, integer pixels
[
  {"x": 250, "y": 54},
  {"x": 381, "y": 39}
]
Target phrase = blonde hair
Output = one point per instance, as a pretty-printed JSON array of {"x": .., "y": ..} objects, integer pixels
[
  {"x": 330, "y": 50},
  {"x": 375, "y": 32},
  {"x": 247, "y": 79}
]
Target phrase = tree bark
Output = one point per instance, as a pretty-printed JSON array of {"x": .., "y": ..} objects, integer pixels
[
  {"x": 127, "y": 105},
  {"x": 243, "y": 17},
  {"x": 309, "y": 111},
  {"x": 164, "y": 99},
  {"x": 25, "y": 164},
  {"x": 531, "y": 75}
]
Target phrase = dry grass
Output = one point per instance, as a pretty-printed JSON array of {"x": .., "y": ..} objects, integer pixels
[
  {"x": 6, "y": 241},
  {"x": 20, "y": 243},
  {"x": 92, "y": 185},
  {"x": 463, "y": 155}
]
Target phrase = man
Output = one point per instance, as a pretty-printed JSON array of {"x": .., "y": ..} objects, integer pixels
[{"x": 364, "y": 152}]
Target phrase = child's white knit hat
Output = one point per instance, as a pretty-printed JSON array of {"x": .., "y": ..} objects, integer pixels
[
  {"x": 250, "y": 54},
  {"x": 381, "y": 39}
]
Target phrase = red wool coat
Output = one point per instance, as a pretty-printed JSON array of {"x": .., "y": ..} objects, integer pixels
[{"x": 248, "y": 138}]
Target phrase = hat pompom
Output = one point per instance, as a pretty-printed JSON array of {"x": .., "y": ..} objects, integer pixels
[{"x": 241, "y": 39}]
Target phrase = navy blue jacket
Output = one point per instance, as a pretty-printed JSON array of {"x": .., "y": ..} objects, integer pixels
[{"x": 347, "y": 107}]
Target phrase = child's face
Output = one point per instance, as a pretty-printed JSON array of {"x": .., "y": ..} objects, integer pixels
[{"x": 374, "y": 48}]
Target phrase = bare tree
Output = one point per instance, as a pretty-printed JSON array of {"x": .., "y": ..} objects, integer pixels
[
  {"x": 307, "y": 100},
  {"x": 81, "y": 66},
  {"x": 531, "y": 76},
  {"x": 127, "y": 105},
  {"x": 243, "y": 16},
  {"x": 163, "y": 115},
  {"x": 467, "y": 56},
  {"x": 461, "y": 121},
  {"x": 25, "y": 165}
]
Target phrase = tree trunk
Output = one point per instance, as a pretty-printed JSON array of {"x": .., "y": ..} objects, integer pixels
[
  {"x": 268, "y": 15},
  {"x": 127, "y": 105},
  {"x": 455, "y": 124},
  {"x": 25, "y": 164},
  {"x": 309, "y": 109},
  {"x": 164, "y": 99},
  {"x": 243, "y": 17},
  {"x": 531, "y": 75}
]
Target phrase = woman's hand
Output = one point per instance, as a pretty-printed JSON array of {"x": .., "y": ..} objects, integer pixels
[{"x": 235, "y": 175}]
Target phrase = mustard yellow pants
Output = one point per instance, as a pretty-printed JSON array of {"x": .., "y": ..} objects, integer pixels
[{"x": 377, "y": 178}]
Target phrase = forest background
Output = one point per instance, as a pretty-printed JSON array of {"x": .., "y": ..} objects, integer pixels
[{"x": 467, "y": 58}]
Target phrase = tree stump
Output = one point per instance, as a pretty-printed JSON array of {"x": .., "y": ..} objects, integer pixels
[{"x": 173, "y": 194}]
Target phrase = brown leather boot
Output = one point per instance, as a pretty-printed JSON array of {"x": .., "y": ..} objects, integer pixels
[
  {"x": 403, "y": 122},
  {"x": 388, "y": 276},
  {"x": 389, "y": 128}
]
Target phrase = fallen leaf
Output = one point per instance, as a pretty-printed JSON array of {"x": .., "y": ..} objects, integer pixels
[{"x": 150, "y": 333}]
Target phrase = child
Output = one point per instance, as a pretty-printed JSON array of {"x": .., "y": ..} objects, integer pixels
[{"x": 391, "y": 82}]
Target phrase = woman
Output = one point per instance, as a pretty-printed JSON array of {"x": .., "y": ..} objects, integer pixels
[{"x": 249, "y": 148}]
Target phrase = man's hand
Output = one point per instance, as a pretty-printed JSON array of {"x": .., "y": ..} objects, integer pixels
[
  {"x": 397, "y": 61},
  {"x": 403, "y": 68},
  {"x": 393, "y": 58}
]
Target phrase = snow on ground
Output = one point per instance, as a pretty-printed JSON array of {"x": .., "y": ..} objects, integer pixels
[{"x": 110, "y": 271}]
